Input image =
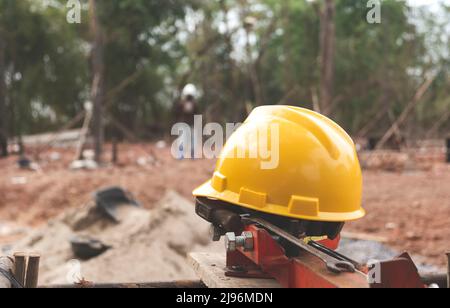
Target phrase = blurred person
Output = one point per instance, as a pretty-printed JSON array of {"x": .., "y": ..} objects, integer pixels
[
  {"x": 187, "y": 106},
  {"x": 185, "y": 110}
]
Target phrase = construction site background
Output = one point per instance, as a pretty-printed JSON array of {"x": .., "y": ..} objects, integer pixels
[{"x": 88, "y": 101}]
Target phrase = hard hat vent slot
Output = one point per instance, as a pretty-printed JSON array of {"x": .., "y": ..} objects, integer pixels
[
  {"x": 304, "y": 206},
  {"x": 253, "y": 198},
  {"x": 219, "y": 182}
]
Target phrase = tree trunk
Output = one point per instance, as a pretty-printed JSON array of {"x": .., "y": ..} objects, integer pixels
[
  {"x": 437, "y": 125},
  {"x": 408, "y": 109},
  {"x": 257, "y": 92},
  {"x": 97, "y": 90},
  {"x": 3, "y": 115},
  {"x": 327, "y": 51},
  {"x": 288, "y": 69}
]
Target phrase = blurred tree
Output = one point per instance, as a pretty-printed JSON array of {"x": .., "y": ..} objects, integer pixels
[
  {"x": 240, "y": 54},
  {"x": 3, "y": 114},
  {"x": 98, "y": 79},
  {"x": 290, "y": 67},
  {"x": 211, "y": 65},
  {"x": 434, "y": 112},
  {"x": 44, "y": 66},
  {"x": 141, "y": 54},
  {"x": 373, "y": 62},
  {"x": 327, "y": 54}
]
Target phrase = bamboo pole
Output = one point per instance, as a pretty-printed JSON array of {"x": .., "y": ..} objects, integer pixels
[
  {"x": 438, "y": 125},
  {"x": 98, "y": 80},
  {"x": 20, "y": 266},
  {"x": 84, "y": 131},
  {"x": 409, "y": 107},
  {"x": 32, "y": 275},
  {"x": 3, "y": 108},
  {"x": 327, "y": 53}
]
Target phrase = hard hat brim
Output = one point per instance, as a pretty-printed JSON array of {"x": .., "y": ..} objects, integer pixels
[{"x": 206, "y": 190}]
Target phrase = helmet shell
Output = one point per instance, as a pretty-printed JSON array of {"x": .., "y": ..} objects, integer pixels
[{"x": 315, "y": 175}]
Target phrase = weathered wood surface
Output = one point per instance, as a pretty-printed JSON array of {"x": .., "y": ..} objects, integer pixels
[
  {"x": 210, "y": 268},
  {"x": 20, "y": 267},
  {"x": 32, "y": 276}
]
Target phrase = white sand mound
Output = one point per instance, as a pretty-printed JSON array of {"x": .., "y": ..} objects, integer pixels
[{"x": 147, "y": 245}]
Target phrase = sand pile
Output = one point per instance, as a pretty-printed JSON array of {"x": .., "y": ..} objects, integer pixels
[{"x": 148, "y": 245}]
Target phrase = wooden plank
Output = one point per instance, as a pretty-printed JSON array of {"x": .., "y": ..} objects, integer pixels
[{"x": 210, "y": 268}]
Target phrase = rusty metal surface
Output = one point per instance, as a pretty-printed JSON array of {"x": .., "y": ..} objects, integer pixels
[
  {"x": 400, "y": 272},
  {"x": 306, "y": 271},
  {"x": 333, "y": 264}
]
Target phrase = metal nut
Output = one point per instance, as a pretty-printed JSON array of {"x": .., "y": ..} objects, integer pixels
[
  {"x": 248, "y": 240},
  {"x": 230, "y": 241}
]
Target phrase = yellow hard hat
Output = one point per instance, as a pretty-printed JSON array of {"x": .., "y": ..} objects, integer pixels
[{"x": 315, "y": 176}]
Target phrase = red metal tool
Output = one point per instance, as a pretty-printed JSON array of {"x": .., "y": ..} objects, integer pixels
[{"x": 267, "y": 259}]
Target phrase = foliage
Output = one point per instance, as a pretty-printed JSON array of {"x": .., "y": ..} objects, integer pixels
[
  {"x": 45, "y": 66},
  {"x": 156, "y": 47}
]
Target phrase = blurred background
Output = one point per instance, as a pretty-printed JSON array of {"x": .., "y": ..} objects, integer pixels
[
  {"x": 239, "y": 54},
  {"x": 89, "y": 91}
]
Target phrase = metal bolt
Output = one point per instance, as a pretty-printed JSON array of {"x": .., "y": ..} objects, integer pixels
[{"x": 232, "y": 242}]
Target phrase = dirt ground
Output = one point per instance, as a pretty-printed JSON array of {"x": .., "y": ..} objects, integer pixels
[
  {"x": 30, "y": 198},
  {"x": 410, "y": 207}
]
